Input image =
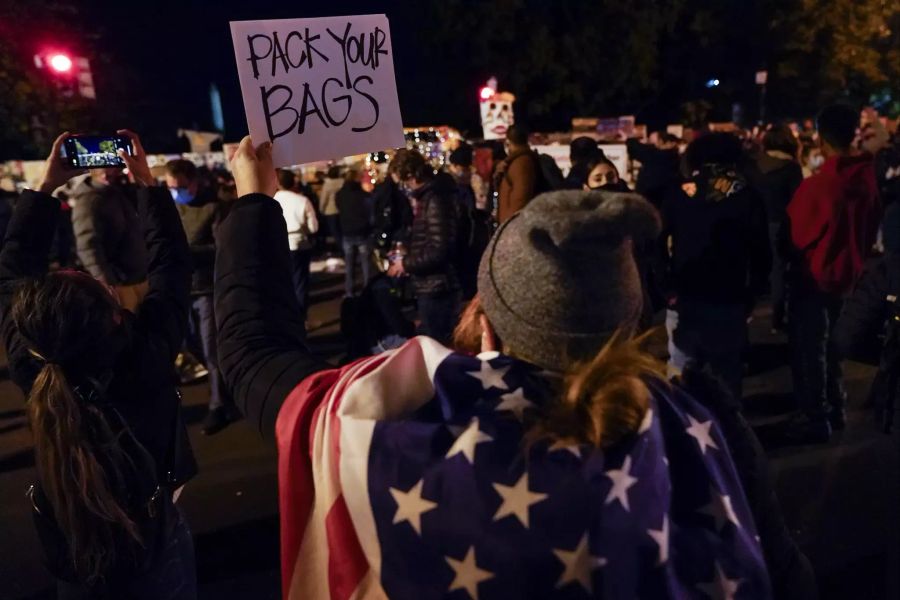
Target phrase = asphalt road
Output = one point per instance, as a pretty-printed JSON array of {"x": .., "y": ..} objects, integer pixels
[{"x": 842, "y": 500}]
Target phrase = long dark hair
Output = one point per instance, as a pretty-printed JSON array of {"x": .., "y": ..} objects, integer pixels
[{"x": 68, "y": 320}]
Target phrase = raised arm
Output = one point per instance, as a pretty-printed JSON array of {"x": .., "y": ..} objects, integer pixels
[
  {"x": 261, "y": 334},
  {"x": 28, "y": 239}
]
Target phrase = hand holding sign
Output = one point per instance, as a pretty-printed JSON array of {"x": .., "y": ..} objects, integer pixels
[
  {"x": 318, "y": 88},
  {"x": 253, "y": 170}
]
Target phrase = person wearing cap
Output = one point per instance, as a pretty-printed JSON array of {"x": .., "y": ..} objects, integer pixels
[{"x": 558, "y": 460}]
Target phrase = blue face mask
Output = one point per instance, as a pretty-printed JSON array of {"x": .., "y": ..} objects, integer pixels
[{"x": 181, "y": 195}]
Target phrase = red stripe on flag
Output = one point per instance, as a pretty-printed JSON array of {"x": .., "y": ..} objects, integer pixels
[
  {"x": 347, "y": 563},
  {"x": 295, "y": 476}
]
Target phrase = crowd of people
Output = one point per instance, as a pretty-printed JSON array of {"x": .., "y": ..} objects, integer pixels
[{"x": 499, "y": 428}]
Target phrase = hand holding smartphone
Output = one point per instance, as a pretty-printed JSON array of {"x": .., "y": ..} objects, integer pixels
[{"x": 95, "y": 152}]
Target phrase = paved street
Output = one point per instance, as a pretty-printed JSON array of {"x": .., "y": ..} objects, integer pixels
[{"x": 841, "y": 499}]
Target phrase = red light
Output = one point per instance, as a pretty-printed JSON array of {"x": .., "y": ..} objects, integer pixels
[
  {"x": 486, "y": 93},
  {"x": 61, "y": 63}
]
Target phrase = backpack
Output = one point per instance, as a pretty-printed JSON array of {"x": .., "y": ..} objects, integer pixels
[
  {"x": 543, "y": 176},
  {"x": 146, "y": 500}
]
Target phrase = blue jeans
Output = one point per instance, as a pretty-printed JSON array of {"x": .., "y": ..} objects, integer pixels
[
  {"x": 708, "y": 334},
  {"x": 201, "y": 341},
  {"x": 816, "y": 367},
  {"x": 356, "y": 246},
  {"x": 173, "y": 576}
]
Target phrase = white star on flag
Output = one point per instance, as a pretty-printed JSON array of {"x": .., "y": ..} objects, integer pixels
[
  {"x": 720, "y": 509},
  {"x": 516, "y": 500},
  {"x": 621, "y": 481},
  {"x": 465, "y": 443},
  {"x": 467, "y": 574},
  {"x": 561, "y": 445},
  {"x": 411, "y": 505},
  {"x": 490, "y": 377},
  {"x": 661, "y": 537},
  {"x": 701, "y": 432},
  {"x": 578, "y": 565},
  {"x": 516, "y": 403},
  {"x": 720, "y": 588},
  {"x": 646, "y": 422}
]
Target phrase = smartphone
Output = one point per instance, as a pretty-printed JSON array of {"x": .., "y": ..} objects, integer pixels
[{"x": 95, "y": 151}]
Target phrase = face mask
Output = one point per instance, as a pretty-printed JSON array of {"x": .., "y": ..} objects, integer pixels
[{"x": 181, "y": 195}]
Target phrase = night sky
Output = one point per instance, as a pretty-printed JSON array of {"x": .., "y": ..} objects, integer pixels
[{"x": 172, "y": 51}]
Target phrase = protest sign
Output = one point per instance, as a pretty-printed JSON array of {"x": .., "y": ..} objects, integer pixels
[
  {"x": 497, "y": 115},
  {"x": 318, "y": 88}
]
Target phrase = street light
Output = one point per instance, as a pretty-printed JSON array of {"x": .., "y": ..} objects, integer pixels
[
  {"x": 712, "y": 83},
  {"x": 60, "y": 63}
]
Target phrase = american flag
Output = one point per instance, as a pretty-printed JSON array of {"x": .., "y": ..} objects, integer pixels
[{"x": 406, "y": 476}]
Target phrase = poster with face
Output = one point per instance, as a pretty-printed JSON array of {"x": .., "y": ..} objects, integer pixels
[{"x": 497, "y": 115}]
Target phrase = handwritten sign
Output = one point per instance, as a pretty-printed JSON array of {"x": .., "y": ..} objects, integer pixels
[{"x": 319, "y": 88}]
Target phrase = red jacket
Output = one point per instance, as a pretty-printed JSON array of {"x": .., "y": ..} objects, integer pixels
[{"x": 834, "y": 219}]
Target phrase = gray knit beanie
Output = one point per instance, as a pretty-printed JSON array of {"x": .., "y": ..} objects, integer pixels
[{"x": 559, "y": 277}]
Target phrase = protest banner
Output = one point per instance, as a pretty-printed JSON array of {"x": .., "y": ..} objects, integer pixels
[
  {"x": 497, "y": 115},
  {"x": 318, "y": 88}
]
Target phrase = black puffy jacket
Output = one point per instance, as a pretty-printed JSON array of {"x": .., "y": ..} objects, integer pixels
[{"x": 433, "y": 242}]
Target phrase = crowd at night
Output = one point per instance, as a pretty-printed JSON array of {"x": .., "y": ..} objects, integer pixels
[{"x": 470, "y": 300}]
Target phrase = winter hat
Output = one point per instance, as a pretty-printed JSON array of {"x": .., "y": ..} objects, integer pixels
[{"x": 559, "y": 277}]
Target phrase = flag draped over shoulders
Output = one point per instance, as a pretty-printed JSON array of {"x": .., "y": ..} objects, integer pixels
[{"x": 407, "y": 476}]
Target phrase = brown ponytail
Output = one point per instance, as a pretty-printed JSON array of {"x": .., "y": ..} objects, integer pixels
[
  {"x": 604, "y": 399},
  {"x": 601, "y": 400},
  {"x": 67, "y": 322},
  {"x": 67, "y": 439}
]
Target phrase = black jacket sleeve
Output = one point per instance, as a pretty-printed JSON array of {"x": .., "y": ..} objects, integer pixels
[
  {"x": 262, "y": 354},
  {"x": 163, "y": 312},
  {"x": 760, "y": 248},
  {"x": 25, "y": 251},
  {"x": 856, "y": 334},
  {"x": 431, "y": 252},
  {"x": 789, "y": 569},
  {"x": 637, "y": 150}
]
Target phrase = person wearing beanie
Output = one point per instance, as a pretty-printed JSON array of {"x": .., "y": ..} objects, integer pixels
[{"x": 559, "y": 460}]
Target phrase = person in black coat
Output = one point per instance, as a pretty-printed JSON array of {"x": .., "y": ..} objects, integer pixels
[
  {"x": 716, "y": 240},
  {"x": 356, "y": 229},
  {"x": 660, "y": 166},
  {"x": 776, "y": 175},
  {"x": 868, "y": 329},
  {"x": 265, "y": 357},
  {"x": 110, "y": 443},
  {"x": 393, "y": 214},
  {"x": 432, "y": 247}
]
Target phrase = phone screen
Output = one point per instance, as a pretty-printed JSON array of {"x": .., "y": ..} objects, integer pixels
[{"x": 92, "y": 151}]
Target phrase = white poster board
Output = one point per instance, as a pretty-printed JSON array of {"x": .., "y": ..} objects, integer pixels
[
  {"x": 497, "y": 115},
  {"x": 319, "y": 88}
]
